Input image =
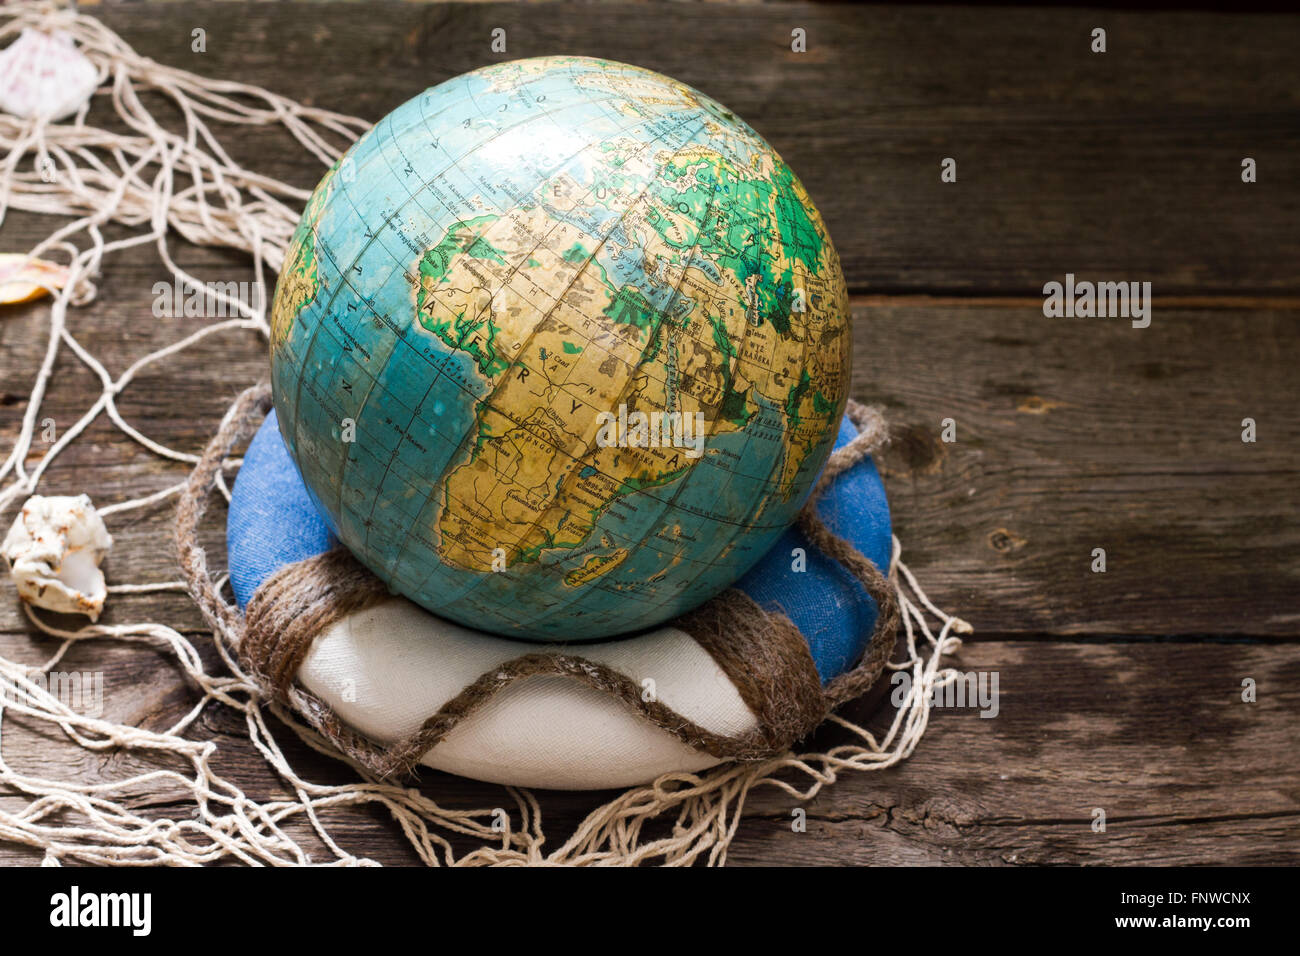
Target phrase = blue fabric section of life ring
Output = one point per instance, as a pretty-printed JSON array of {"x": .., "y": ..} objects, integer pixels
[{"x": 272, "y": 522}]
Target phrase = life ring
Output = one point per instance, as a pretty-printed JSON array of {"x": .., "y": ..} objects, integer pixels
[{"x": 385, "y": 669}]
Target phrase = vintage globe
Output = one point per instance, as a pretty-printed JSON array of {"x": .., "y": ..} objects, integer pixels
[{"x": 559, "y": 347}]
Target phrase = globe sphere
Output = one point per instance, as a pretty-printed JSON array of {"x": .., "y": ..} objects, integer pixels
[{"x": 559, "y": 348}]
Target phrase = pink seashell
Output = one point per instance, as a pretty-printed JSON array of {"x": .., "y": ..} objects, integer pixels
[{"x": 44, "y": 74}]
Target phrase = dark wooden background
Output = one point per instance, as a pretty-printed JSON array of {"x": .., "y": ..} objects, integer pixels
[{"x": 1119, "y": 690}]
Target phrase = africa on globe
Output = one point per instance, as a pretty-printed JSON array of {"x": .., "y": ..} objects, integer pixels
[{"x": 559, "y": 348}]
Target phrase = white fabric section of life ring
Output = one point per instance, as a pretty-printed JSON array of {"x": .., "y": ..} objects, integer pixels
[{"x": 386, "y": 669}]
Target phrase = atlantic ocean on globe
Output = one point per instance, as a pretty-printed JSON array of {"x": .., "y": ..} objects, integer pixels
[{"x": 559, "y": 348}]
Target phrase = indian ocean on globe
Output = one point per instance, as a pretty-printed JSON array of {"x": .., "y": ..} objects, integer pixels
[{"x": 559, "y": 347}]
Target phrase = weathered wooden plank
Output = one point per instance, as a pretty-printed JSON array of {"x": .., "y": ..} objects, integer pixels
[
  {"x": 1125, "y": 164},
  {"x": 1077, "y": 434},
  {"x": 1071, "y": 435},
  {"x": 1153, "y": 733}
]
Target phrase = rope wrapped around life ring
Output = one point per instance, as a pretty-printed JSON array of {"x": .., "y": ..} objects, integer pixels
[{"x": 760, "y": 650}]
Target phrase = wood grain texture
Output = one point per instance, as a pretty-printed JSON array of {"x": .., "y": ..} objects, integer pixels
[
  {"x": 1155, "y": 734},
  {"x": 1071, "y": 434},
  {"x": 1075, "y": 434},
  {"x": 1118, "y": 165},
  {"x": 1119, "y": 690}
]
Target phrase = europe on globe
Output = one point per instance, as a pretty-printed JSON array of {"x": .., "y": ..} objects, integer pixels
[{"x": 559, "y": 348}]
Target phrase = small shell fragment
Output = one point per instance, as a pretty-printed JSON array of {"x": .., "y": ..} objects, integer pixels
[
  {"x": 23, "y": 278},
  {"x": 54, "y": 550}
]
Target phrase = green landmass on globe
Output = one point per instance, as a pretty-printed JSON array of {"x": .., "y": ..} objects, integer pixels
[{"x": 559, "y": 347}]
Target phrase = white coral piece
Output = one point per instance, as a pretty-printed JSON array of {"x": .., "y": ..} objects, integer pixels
[{"x": 54, "y": 549}]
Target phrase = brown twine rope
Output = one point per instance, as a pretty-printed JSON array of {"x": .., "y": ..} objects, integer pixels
[{"x": 761, "y": 651}]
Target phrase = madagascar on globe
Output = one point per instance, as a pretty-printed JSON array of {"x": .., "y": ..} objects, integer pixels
[{"x": 559, "y": 347}]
